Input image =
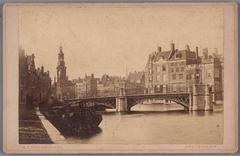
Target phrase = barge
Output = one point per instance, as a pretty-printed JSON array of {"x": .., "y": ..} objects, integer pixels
[{"x": 74, "y": 119}]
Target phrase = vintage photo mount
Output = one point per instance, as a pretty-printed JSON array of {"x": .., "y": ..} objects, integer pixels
[{"x": 10, "y": 90}]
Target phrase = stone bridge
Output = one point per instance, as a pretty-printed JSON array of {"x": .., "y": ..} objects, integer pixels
[{"x": 197, "y": 99}]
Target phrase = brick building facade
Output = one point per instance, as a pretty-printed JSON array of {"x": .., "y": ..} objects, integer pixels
[
  {"x": 86, "y": 87},
  {"x": 109, "y": 85},
  {"x": 34, "y": 83},
  {"x": 177, "y": 70},
  {"x": 135, "y": 83}
]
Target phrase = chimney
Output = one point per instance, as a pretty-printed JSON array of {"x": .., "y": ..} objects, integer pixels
[
  {"x": 187, "y": 47},
  {"x": 172, "y": 46},
  {"x": 205, "y": 53},
  {"x": 196, "y": 52},
  {"x": 159, "y": 49},
  {"x": 42, "y": 69},
  {"x": 172, "y": 50}
]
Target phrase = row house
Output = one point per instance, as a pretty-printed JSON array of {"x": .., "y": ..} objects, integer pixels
[
  {"x": 86, "y": 87},
  {"x": 177, "y": 70},
  {"x": 166, "y": 70},
  {"x": 34, "y": 83},
  {"x": 135, "y": 83},
  {"x": 109, "y": 85}
]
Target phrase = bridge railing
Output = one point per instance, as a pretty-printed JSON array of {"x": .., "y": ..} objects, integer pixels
[{"x": 128, "y": 95}]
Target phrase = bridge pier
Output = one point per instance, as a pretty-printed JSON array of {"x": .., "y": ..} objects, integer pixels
[
  {"x": 121, "y": 102},
  {"x": 195, "y": 100},
  {"x": 208, "y": 101},
  {"x": 190, "y": 102},
  {"x": 200, "y": 99}
]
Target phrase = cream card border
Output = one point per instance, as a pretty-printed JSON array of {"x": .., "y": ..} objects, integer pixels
[{"x": 10, "y": 90}]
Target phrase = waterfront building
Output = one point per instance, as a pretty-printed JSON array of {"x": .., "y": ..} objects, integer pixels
[
  {"x": 86, "y": 87},
  {"x": 109, "y": 85},
  {"x": 34, "y": 84},
  {"x": 212, "y": 73},
  {"x": 166, "y": 70},
  {"x": 177, "y": 70},
  {"x": 135, "y": 82}
]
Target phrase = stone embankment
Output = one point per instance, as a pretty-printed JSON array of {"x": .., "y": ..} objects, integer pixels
[
  {"x": 34, "y": 128},
  {"x": 31, "y": 129}
]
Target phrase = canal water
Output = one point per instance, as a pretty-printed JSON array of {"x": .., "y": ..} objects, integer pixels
[{"x": 157, "y": 124}]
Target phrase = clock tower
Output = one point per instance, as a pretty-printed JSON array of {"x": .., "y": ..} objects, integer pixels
[{"x": 61, "y": 68}]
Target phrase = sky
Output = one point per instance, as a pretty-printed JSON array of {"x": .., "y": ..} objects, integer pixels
[{"x": 114, "y": 39}]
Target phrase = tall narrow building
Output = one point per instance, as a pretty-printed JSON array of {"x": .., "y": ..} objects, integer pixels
[
  {"x": 64, "y": 87},
  {"x": 61, "y": 68}
]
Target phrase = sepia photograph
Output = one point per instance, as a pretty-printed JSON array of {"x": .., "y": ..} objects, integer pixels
[{"x": 105, "y": 78}]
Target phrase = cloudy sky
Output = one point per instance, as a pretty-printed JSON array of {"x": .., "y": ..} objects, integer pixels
[{"x": 108, "y": 39}]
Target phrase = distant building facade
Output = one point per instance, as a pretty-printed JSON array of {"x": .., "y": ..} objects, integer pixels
[
  {"x": 34, "y": 84},
  {"x": 212, "y": 73},
  {"x": 86, "y": 87},
  {"x": 109, "y": 85},
  {"x": 64, "y": 88},
  {"x": 177, "y": 70},
  {"x": 135, "y": 83}
]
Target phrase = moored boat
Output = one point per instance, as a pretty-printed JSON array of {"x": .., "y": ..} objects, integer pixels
[{"x": 74, "y": 119}]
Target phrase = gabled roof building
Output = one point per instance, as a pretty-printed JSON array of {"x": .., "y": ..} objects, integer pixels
[{"x": 177, "y": 70}]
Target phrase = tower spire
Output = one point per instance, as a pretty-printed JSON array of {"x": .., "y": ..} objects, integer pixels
[{"x": 61, "y": 68}]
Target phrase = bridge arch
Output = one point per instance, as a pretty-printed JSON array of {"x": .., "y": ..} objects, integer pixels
[{"x": 181, "y": 99}]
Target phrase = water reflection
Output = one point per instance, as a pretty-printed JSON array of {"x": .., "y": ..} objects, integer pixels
[{"x": 87, "y": 134}]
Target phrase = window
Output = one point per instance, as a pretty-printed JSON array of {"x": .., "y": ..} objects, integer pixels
[
  {"x": 174, "y": 77},
  {"x": 209, "y": 75},
  {"x": 174, "y": 87},
  {"x": 197, "y": 76},
  {"x": 182, "y": 87},
  {"x": 210, "y": 89},
  {"x": 172, "y": 69},
  {"x": 164, "y": 77},
  {"x": 192, "y": 76},
  {"x": 163, "y": 68},
  {"x": 209, "y": 71},
  {"x": 180, "y": 76},
  {"x": 158, "y": 77},
  {"x": 177, "y": 69},
  {"x": 182, "y": 68},
  {"x": 150, "y": 71},
  {"x": 179, "y": 55},
  {"x": 217, "y": 73}
]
